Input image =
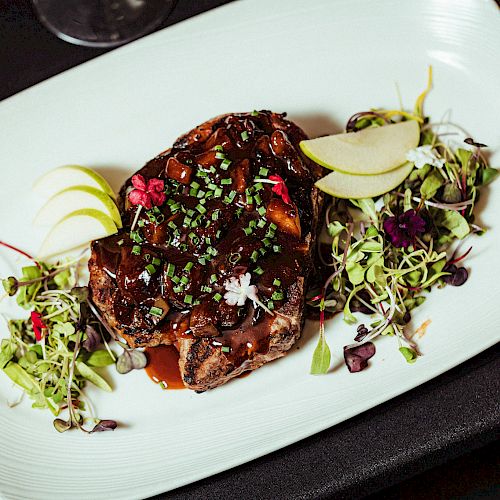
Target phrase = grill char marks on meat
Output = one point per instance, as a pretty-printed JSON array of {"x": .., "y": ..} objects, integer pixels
[{"x": 221, "y": 219}]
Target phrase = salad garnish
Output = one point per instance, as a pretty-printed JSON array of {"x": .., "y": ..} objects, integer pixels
[
  {"x": 386, "y": 253},
  {"x": 52, "y": 355}
]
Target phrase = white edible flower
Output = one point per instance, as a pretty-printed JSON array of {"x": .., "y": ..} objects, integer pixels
[
  {"x": 238, "y": 290},
  {"x": 424, "y": 155}
]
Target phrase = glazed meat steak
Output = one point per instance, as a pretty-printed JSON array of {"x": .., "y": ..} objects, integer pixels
[{"x": 240, "y": 207}]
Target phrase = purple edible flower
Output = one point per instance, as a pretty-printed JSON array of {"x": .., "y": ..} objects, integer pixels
[
  {"x": 356, "y": 358},
  {"x": 403, "y": 228}
]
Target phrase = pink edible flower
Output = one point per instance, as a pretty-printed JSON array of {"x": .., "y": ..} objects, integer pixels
[
  {"x": 280, "y": 188},
  {"x": 39, "y": 327},
  {"x": 147, "y": 193}
]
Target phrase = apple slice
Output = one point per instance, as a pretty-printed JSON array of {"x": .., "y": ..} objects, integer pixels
[
  {"x": 75, "y": 198},
  {"x": 60, "y": 178},
  {"x": 75, "y": 230},
  {"x": 369, "y": 151},
  {"x": 343, "y": 185}
]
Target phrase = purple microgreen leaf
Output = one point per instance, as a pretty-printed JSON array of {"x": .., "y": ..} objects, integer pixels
[
  {"x": 457, "y": 277},
  {"x": 356, "y": 358},
  {"x": 362, "y": 332},
  {"x": 131, "y": 360},
  {"x": 471, "y": 142},
  {"x": 93, "y": 340},
  {"x": 104, "y": 425}
]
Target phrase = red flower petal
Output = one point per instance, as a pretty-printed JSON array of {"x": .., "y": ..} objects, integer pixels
[
  {"x": 138, "y": 197},
  {"x": 158, "y": 198},
  {"x": 280, "y": 188},
  {"x": 276, "y": 178},
  {"x": 139, "y": 182},
  {"x": 155, "y": 184},
  {"x": 38, "y": 325}
]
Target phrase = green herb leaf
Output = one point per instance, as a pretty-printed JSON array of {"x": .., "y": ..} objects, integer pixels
[
  {"x": 100, "y": 358},
  {"x": 321, "y": 357},
  {"x": 454, "y": 222},
  {"x": 409, "y": 354},
  {"x": 431, "y": 184},
  {"x": 89, "y": 374}
]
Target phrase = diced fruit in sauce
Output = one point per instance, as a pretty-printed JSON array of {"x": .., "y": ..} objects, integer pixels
[{"x": 285, "y": 216}]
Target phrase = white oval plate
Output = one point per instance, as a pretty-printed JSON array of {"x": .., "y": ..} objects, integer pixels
[{"x": 320, "y": 61}]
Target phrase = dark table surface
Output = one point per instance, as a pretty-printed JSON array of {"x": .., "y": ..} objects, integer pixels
[{"x": 423, "y": 429}]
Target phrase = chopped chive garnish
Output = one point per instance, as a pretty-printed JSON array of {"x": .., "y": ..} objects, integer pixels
[
  {"x": 175, "y": 207},
  {"x": 188, "y": 299},
  {"x": 183, "y": 247},
  {"x": 257, "y": 199},
  {"x": 156, "y": 261},
  {"x": 261, "y": 223},
  {"x": 252, "y": 223},
  {"x": 258, "y": 270},
  {"x": 201, "y": 208},
  {"x": 262, "y": 251},
  {"x": 277, "y": 295},
  {"x": 244, "y": 135},
  {"x": 239, "y": 211},
  {"x": 267, "y": 242},
  {"x": 276, "y": 282},
  {"x": 277, "y": 248},
  {"x": 215, "y": 214},
  {"x": 273, "y": 226},
  {"x": 201, "y": 173},
  {"x": 208, "y": 240},
  {"x": 254, "y": 256},
  {"x": 212, "y": 186},
  {"x": 226, "y": 181},
  {"x": 119, "y": 243},
  {"x": 232, "y": 195},
  {"x": 156, "y": 311},
  {"x": 218, "y": 233},
  {"x": 188, "y": 266},
  {"x": 225, "y": 348},
  {"x": 136, "y": 250},
  {"x": 258, "y": 186},
  {"x": 202, "y": 260},
  {"x": 206, "y": 288},
  {"x": 249, "y": 199},
  {"x": 217, "y": 297},
  {"x": 270, "y": 233},
  {"x": 263, "y": 171},
  {"x": 176, "y": 279},
  {"x": 147, "y": 257},
  {"x": 195, "y": 185},
  {"x": 212, "y": 251},
  {"x": 226, "y": 200},
  {"x": 170, "y": 270},
  {"x": 262, "y": 211},
  {"x": 159, "y": 219},
  {"x": 170, "y": 201},
  {"x": 193, "y": 192},
  {"x": 248, "y": 230},
  {"x": 270, "y": 305},
  {"x": 213, "y": 278},
  {"x": 151, "y": 269},
  {"x": 234, "y": 257},
  {"x": 187, "y": 221},
  {"x": 141, "y": 222},
  {"x": 225, "y": 164},
  {"x": 203, "y": 201},
  {"x": 218, "y": 192},
  {"x": 171, "y": 225},
  {"x": 190, "y": 212},
  {"x": 219, "y": 148},
  {"x": 184, "y": 280},
  {"x": 254, "y": 113},
  {"x": 200, "y": 193},
  {"x": 220, "y": 155},
  {"x": 178, "y": 289},
  {"x": 194, "y": 224},
  {"x": 136, "y": 237}
]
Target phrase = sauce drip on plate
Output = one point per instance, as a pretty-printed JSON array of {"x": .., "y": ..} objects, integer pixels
[{"x": 163, "y": 366}]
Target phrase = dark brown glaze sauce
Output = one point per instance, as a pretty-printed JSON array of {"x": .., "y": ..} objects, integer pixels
[
  {"x": 163, "y": 366},
  {"x": 202, "y": 237}
]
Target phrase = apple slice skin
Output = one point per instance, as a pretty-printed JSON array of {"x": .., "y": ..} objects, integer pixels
[
  {"x": 66, "y": 201},
  {"x": 66, "y": 176},
  {"x": 75, "y": 230},
  {"x": 349, "y": 186},
  {"x": 367, "y": 152}
]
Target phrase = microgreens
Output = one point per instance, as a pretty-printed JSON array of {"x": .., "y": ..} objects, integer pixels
[{"x": 396, "y": 248}]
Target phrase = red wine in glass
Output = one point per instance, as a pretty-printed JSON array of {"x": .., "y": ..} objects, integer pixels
[{"x": 102, "y": 23}]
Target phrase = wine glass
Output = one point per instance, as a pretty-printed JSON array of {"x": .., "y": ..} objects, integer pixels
[{"x": 102, "y": 23}]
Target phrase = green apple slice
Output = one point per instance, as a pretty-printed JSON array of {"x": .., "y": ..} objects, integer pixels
[
  {"x": 343, "y": 185},
  {"x": 60, "y": 178},
  {"x": 75, "y": 230},
  {"x": 76, "y": 198},
  {"x": 369, "y": 151}
]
